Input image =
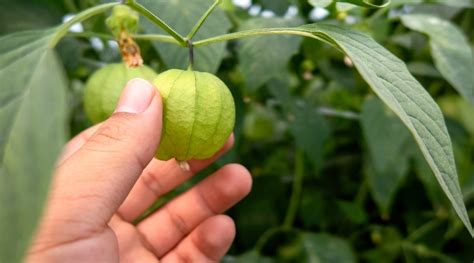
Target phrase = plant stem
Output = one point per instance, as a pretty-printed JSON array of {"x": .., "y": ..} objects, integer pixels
[
  {"x": 254, "y": 32},
  {"x": 155, "y": 19},
  {"x": 426, "y": 252},
  {"x": 350, "y": 115},
  {"x": 265, "y": 237},
  {"x": 296, "y": 191},
  {"x": 64, "y": 28},
  {"x": 90, "y": 34},
  {"x": 362, "y": 193},
  {"x": 191, "y": 54},
  {"x": 424, "y": 229},
  {"x": 157, "y": 37},
  {"x": 202, "y": 19}
]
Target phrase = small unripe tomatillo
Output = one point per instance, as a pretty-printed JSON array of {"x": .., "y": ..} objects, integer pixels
[
  {"x": 103, "y": 88},
  {"x": 199, "y": 114}
]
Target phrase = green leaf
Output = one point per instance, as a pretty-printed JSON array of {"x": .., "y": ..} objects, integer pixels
[
  {"x": 181, "y": 15},
  {"x": 32, "y": 132},
  {"x": 363, "y": 3},
  {"x": 320, "y": 3},
  {"x": 386, "y": 138},
  {"x": 261, "y": 59},
  {"x": 456, "y": 3},
  {"x": 389, "y": 78},
  {"x": 458, "y": 109},
  {"x": 423, "y": 69},
  {"x": 325, "y": 248},
  {"x": 307, "y": 126},
  {"x": 27, "y": 15},
  {"x": 450, "y": 50},
  {"x": 425, "y": 175},
  {"x": 277, "y": 6}
]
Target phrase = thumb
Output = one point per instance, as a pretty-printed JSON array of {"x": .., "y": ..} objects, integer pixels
[{"x": 96, "y": 179}]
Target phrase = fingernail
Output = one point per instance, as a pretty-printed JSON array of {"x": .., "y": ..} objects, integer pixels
[{"x": 136, "y": 97}]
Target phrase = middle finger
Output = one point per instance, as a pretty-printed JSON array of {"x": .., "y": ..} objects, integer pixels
[
  {"x": 160, "y": 177},
  {"x": 215, "y": 194}
]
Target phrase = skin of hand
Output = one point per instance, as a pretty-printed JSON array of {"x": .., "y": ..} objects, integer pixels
[{"x": 107, "y": 177}]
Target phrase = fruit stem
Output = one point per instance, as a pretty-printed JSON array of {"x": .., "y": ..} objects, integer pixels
[
  {"x": 296, "y": 191},
  {"x": 202, "y": 19},
  {"x": 191, "y": 54},
  {"x": 155, "y": 19}
]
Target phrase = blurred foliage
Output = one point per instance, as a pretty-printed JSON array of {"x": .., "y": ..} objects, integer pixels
[{"x": 367, "y": 193}]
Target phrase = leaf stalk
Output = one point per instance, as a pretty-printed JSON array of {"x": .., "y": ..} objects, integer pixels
[
  {"x": 158, "y": 21},
  {"x": 203, "y": 18},
  {"x": 296, "y": 191},
  {"x": 64, "y": 28}
]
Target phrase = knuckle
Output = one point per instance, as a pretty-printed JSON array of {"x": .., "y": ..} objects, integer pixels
[
  {"x": 115, "y": 131},
  {"x": 178, "y": 221},
  {"x": 152, "y": 182}
]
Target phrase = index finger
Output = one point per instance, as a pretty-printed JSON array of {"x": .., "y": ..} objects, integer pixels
[{"x": 160, "y": 177}]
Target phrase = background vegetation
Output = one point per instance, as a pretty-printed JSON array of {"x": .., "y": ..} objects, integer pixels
[{"x": 337, "y": 177}]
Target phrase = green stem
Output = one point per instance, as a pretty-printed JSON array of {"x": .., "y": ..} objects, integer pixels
[
  {"x": 64, "y": 28},
  {"x": 362, "y": 193},
  {"x": 151, "y": 37},
  {"x": 155, "y": 19},
  {"x": 350, "y": 115},
  {"x": 265, "y": 237},
  {"x": 90, "y": 34},
  {"x": 157, "y": 37},
  {"x": 426, "y": 252},
  {"x": 424, "y": 229},
  {"x": 255, "y": 32},
  {"x": 296, "y": 191},
  {"x": 202, "y": 19}
]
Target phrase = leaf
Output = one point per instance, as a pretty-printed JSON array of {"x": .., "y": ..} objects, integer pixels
[
  {"x": 386, "y": 139},
  {"x": 325, "y": 248},
  {"x": 389, "y": 78},
  {"x": 362, "y": 3},
  {"x": 457, "y": 3},
  {"x": 32, "y": 132},
  {"x": 320, "y": 3},
  {"x": 309, "y": 130},
  {"x": 260, "y": 58},
  {"x": 182, "y": 15},
  {"x": 425, "y": 175},
  {"x": 306, "y": 124},
  {"x": 367, "y": 3},
  {"x": 277, "y": 6},
  {"x": 450, "y": 50},
  {"x": 423, "y": 69},
  {"x": 22, "y": 14},
  {"x": 459, "y": 109}
]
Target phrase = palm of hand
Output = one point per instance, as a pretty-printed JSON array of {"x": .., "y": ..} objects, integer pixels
[{"x": 189, "y": 228}]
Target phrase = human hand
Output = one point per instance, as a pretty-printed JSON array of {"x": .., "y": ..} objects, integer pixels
[{"x": 107, "y": 177}]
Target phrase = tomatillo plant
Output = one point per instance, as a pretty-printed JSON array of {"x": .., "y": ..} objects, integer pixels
[{"x": 199, "y": 108}]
